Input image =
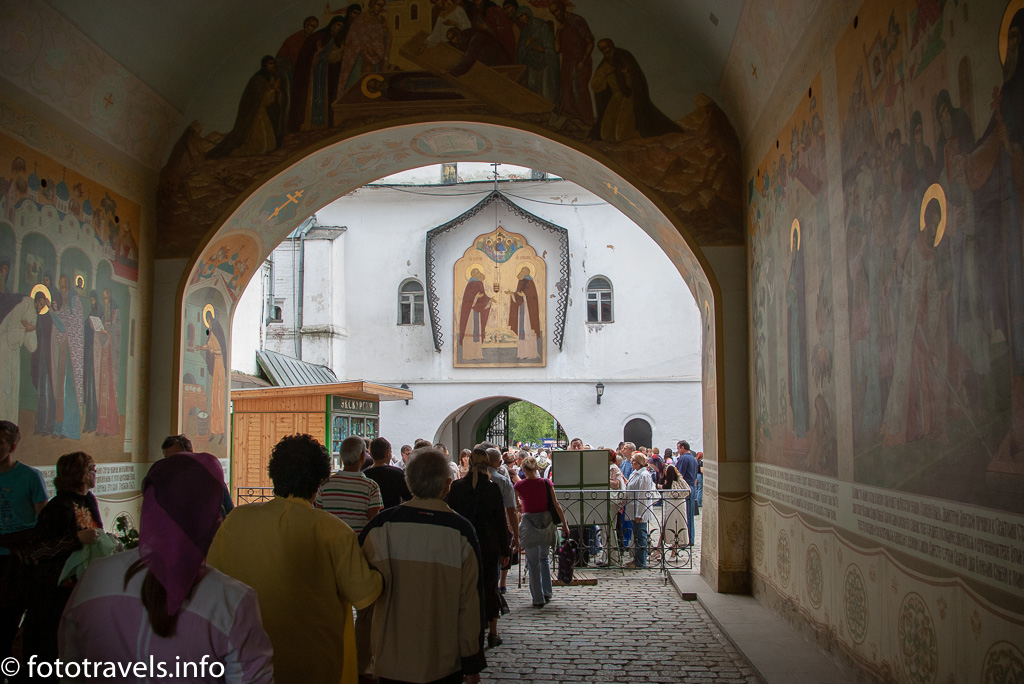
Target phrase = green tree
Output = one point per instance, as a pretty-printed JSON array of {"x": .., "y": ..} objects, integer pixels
[{"x": 529, "y": 423}]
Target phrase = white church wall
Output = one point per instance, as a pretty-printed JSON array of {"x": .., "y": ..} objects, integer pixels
[
  {"x": 648, "y": 358},
  {"x": 247, "y": 331}
]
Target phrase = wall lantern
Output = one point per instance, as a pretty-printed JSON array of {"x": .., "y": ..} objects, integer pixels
[
  {"x": 405, "y": 387},
  {"x": 600, "y": 390}
]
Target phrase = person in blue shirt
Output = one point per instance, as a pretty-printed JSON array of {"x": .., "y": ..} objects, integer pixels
[
  {"x": 686, "y": 464},
  {"x": 22, "y": 496}
]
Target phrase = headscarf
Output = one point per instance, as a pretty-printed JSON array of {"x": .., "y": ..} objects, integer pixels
[{"x": 181, "y": 502}]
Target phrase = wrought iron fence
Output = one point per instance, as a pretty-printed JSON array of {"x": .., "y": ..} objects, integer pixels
[
  {"x": 247, "y": 495},
  {"x": 602, "y": 521}
]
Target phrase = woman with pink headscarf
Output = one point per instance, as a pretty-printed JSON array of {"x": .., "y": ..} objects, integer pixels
[{"x": 160, "y": 603}]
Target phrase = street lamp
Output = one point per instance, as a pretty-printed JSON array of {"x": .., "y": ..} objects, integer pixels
[
  {"x": 600, "y": 390},
  {"x": 405, "y": 387}
]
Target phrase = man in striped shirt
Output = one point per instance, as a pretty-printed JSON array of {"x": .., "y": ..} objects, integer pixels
[
  {"x": 348, "y": 493},
  {"x": 355, "y": 499}
]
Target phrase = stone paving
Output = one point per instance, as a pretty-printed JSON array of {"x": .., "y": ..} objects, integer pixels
[{"x": 630, "y": 627}]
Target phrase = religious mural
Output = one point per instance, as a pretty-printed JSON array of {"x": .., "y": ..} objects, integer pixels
[
  {"x": 791, "y": 296},
  {"x": 204, "y": 389},
  {"x": 500, "y": 303},
  {"x": 931, "y": 142},
  {"x": 532, "y": 61},
  {"x": 69, "y": 263}
]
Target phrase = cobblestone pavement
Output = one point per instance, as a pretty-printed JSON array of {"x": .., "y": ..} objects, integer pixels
[{"x": 630, "y": 627}]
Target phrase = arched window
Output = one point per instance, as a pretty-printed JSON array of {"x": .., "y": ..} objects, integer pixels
[
  {"x": 414, "y": 12},
  {"x": 398, "y": 21},
  {"x": 410, "y": 303},
  {"x": 599, "y": 300}
]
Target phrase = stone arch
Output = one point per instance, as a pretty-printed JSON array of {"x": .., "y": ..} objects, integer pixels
[{"x": 309, "y": 180}]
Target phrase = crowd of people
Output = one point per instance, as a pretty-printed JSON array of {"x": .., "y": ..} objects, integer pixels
[{"x": 391, "y": 569}]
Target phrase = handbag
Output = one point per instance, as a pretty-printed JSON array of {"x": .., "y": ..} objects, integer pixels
[{"x": 551, "y": 505}]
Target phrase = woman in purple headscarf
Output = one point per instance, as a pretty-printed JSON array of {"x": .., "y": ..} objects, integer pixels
[{"x": 196, "y": 622}]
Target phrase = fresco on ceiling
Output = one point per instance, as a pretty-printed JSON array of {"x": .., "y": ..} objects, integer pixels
[
  {"x": 933, "y": 190},
  {"x": 68, "y": 297},
  {"x": 499, "y": 305},
  {"x": 204, "y": 388},
  {"x": 46, "y": 55},
  {"x": 791, "y": 297},
  {"x": 537, "y": 62}
]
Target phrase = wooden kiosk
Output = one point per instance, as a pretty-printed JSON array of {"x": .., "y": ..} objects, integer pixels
[{"x": 329, "y": 412}]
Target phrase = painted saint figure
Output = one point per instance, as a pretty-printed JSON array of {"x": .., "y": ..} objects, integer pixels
[
  {"x": 473, "y": 314},
  {"x": 70, "y": 344},
  {"x": 624, "y": 107},
  {"x": 524, "y": 316},
  {"x": 17, "y": 328},
  {"x": 216, "y": 343},
  {"x": 537, "y": 51},
  {"x": 575, "y": 43},
  {"x": 106, "y": 360},
  {"x": 259, "y": 123},
  {"x": 42, "y": 366},
  {"x": 367, "y": 47}
]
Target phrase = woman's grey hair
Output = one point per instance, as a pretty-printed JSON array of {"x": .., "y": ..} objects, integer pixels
[{"x": 427, "y": 473}]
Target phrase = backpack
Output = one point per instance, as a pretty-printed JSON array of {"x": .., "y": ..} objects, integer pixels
[{"x": 567, "y": 560}]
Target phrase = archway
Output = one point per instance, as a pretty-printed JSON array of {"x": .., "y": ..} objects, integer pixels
[
  {"x": 463, "y": 427},
  {"x": 639, "y": 432},
  {"x": 231, "y": 251}
]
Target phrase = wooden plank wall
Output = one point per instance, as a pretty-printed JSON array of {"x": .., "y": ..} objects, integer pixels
[{"x": 255, "y": 435}]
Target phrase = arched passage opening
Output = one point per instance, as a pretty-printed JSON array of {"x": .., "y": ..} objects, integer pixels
[
  {"x": 226, "y": 260},
  {"x": 487, "y": 419}
]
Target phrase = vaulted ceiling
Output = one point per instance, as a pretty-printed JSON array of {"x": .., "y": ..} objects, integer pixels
[{"x": 198, "y": 54}]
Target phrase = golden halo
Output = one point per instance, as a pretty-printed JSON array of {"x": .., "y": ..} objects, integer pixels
[
  {"x": 45, "y": 290},
  {"x": 794, "y": 230},
  {"x": 208, "y": 309},
  {"x": 529, "y": 269},
  {"x": 474, "y": 267},
  {"x": 365, "y": 86},
  {"x": 937, "y": 193},
  {"x": 80, "y": 281},
  {"x": 1004, "y": 27}
]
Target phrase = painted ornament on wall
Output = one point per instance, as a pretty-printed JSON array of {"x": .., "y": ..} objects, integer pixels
[{"x": 499, "y": 303}]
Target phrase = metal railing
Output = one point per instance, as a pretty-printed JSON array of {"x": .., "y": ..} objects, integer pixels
[
  {"x": 248, "y": 495},
  {"x": 601, "y": 521}
]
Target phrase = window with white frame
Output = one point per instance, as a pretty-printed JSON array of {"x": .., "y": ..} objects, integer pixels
[
  {"x": 410, "y": 303},
  {"x": 599, "y": 300}
]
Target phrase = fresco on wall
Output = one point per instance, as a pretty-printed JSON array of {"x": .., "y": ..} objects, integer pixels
[
  {"x": 500, "y": 309},
  {"x": 931, "y": 140},
  {"x": 228, "y": 263},
  {"x": 538, "y": 63},
  {"x": 204, "y": 389},
  {"x": 68, "y": 297},
  {"x": 791, "y": 296}
]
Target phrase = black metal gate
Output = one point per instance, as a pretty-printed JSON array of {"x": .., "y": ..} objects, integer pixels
[{"x": 497, "y": 429}]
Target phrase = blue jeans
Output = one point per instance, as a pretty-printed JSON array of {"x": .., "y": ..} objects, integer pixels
[
  {"x": 540, "y": 573},
  {"x": 698, "y": 497},
  {"x": 640, "y": 544},
  {"x": 690, "y": 506}
]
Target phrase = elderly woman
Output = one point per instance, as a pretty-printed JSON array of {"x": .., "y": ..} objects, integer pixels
[
  {"x": 161, "y": 600},
  {"x": 537, "y": 528},
  {"x": 68, "y": 522},
  {"x": 478, "y": 500},
  {"x": 640, "y": 497}
]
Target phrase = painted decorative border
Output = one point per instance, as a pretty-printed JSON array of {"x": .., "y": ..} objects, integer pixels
[{"x": 433, "y": 299}]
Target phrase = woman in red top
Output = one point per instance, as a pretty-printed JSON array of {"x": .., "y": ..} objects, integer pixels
[{"x": 537, "y": 529}]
